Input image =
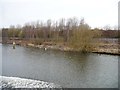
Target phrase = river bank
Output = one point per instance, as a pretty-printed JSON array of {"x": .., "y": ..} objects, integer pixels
[
  {"x": 15, "y": 82},
  {"x": 105, "y": 47}
]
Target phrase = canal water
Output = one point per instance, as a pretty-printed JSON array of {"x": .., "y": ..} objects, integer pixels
[{"x": 68, "y": 69}]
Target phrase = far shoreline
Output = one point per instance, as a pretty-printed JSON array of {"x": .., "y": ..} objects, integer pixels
[{"x": 101, "y": 50}]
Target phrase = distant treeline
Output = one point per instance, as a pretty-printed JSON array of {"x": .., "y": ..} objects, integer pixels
[
  {"x": 72, "y": 31},
  {"x": 110, "y": 34},
  {"x": 26, "y": 34},
  {"x": 63, "y": 28}
]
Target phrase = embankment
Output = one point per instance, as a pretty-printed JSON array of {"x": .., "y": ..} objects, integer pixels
[{"x": 15, "y": 82}]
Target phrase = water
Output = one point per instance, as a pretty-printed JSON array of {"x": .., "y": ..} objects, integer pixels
[{"x": 68, "y": 69}]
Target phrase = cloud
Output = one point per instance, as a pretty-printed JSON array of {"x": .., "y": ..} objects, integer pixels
[{"x": 96, "y": 13}]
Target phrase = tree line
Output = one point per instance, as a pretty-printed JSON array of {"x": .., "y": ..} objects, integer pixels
[{"x": 74, "y": 32}]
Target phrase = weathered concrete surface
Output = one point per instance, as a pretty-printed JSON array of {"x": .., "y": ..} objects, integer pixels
[{"x": 15, "y": 82}]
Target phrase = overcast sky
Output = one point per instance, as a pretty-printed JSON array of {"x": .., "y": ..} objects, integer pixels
[{"x": 97, "y": 13}]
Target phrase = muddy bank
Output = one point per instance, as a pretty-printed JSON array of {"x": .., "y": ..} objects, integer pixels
[
  {"x": 111, "y": 51},
  {"x": 108, "y": 48},
  {"x": 104, "y": 47}
]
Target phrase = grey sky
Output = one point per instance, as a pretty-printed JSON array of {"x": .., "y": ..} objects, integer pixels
[{"x": 97, "y": 13}]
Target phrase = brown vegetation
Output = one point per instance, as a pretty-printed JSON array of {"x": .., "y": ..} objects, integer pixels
[{"x": 72, "y": 33}]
